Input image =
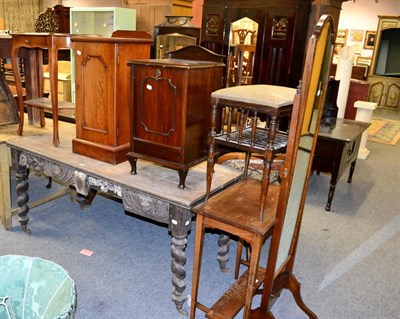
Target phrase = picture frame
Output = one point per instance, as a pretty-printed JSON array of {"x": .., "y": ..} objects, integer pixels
[
  {"x": 341, "y": 35},
  {"x": 337, "y": 47},
  {"x": 364, "y": 61},
  {"x": 357, "y": 46},
  {"x": 356, "y": 35},
  {"x": 369, "y": 41}
]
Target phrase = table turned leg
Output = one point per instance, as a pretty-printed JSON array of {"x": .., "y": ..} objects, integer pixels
[
  {"x": 18, "y": 86},
  {"x": 223, "y": 252},
  {"x": 332, "y": 188},
  {"x": 53, "y": 68},
  {"x": 179, "y": 226},
  {"x": 352, "y": 167},
  {"x": 21, "y": 176}
]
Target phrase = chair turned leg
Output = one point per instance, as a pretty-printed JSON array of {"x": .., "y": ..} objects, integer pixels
[
  {"x": 251, "y": 280},
  {"x": 239, "y": 259},
  {"x": 239, "y": 252},
  {"x": 198, "y": 252}
]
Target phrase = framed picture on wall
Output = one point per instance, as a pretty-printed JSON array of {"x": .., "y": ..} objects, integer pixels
[
  {"x": 356, "y": 35},
  {"x": 341, "y": 36},
  {"x": 369, "y": 41},
  {"x": 364, "y": 61},
  {"x": 357, "y": 47},
  {"x": 337, "y": 47}
]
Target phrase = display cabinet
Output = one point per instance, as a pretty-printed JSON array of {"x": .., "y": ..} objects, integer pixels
[
  {"x": 384, "y": 74},
  {"x": 171, "y": 111},
  {"x": 101, "y": 21},
  {"x": 102, "y": 94}
]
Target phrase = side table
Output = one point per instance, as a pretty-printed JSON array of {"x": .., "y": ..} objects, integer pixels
[
  {"x": 39, "y": 41},
  {"x": 337, "y": 148}
]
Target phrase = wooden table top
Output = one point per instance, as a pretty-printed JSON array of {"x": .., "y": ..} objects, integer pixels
[
  {"x": 151, "y": 179},
  {"x": 342, "y": 129}
]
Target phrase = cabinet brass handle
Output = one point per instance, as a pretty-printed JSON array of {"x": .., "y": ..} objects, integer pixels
[{"x": 27, "y": 41}]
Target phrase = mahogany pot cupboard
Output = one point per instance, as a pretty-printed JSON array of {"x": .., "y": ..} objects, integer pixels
[{"x": 171, "y": 111}]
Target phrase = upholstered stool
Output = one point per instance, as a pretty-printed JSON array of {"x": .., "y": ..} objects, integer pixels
[
  {"x": 271, "y": 96},
  {"x": 32, "y": 287},
  {"x": 248, "y": 208},
  {"x": 235, "y": 123}
]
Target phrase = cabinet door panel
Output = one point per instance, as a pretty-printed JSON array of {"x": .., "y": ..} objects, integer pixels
[
  {"x": 159, "y": 106},
  {"x": 94, "y": 92},
  {"x": 393, "y": 96},
  {"x": 376, "y": 92}
]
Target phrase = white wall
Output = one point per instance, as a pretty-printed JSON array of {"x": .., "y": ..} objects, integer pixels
[{"x": 363, "y": 15}]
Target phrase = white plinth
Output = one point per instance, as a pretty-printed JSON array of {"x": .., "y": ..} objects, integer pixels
[{"x": 364, "y": 114}]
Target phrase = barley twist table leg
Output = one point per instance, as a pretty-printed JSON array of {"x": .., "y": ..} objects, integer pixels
[{"x": 180, "y": 224}]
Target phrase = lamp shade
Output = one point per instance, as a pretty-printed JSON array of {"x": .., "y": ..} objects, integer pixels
[{"x": 35, "y": 288}]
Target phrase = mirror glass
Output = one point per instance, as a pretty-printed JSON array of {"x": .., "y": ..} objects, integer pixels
[
  {"x": 171, "y": 42},
  {"x": 241, "y": 52},
  {"x": 313, "y": 107}
]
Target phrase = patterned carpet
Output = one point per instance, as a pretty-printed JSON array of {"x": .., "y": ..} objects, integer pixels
[{"x": 384, "y": 131}]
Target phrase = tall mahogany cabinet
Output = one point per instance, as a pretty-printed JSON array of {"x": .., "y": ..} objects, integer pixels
[
  {"x": 102, "y": 92},
  {"x": 280, "y": 37},
  {"x": 283, "y": 28}
]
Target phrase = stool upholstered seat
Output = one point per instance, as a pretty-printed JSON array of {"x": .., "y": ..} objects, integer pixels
[
  {"x": 32, "y": 287},
  {"x": 260, "y": 94}
]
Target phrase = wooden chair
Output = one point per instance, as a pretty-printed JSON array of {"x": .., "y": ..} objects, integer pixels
[
  {"x": 253, "y": 210},
  {"x": 242, "y": 61},
  {"x": 244, "y": 209}
]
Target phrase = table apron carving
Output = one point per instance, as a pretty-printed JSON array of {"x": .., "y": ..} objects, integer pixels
[{"x": 178, "y": 218}]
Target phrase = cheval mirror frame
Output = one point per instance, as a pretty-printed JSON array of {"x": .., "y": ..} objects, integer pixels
[{"x": 300, "y": 151}]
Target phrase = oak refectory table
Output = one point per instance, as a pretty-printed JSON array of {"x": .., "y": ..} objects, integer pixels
[{"x": 152, "y": 194}]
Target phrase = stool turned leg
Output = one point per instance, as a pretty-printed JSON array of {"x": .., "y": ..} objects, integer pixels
[
  {"x": 273, "y": 127},
  {"x": 211, "y": 150}
]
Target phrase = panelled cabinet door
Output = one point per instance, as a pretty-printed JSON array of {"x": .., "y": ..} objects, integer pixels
[
  {"x": 159, "y": 105},
  {"x": 376, "y": 92},
  {"x": 94, "y": 82},
  {"x": 393, "y": 96}
]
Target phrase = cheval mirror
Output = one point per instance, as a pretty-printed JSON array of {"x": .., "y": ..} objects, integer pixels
[{"x": 279, "y": 273}]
